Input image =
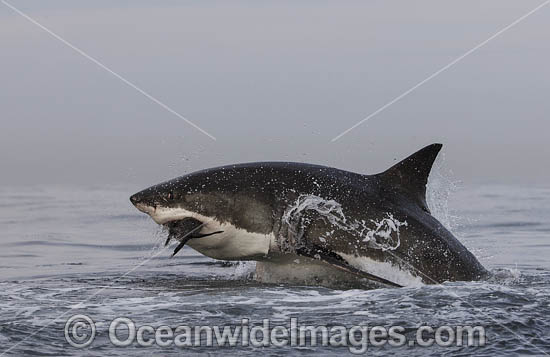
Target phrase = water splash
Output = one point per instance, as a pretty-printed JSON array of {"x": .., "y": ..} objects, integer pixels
[
  {"x": 383, "y": 231},
  {"x": 378, "y": 234},
  {"x": 505, "y": 276},
  {"x": 243, "y": 270},
  {"x": 441, "y": 187}
]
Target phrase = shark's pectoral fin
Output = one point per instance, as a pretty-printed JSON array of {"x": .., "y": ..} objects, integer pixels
[{"x": 317, "y": 252}]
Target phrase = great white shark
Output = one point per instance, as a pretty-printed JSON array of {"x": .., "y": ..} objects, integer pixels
[{"x": 312, "y": 224}]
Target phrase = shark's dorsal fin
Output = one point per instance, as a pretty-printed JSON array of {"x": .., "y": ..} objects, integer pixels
[{"x": 410, "y": 176}]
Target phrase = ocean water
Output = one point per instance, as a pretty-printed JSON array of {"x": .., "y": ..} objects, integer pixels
[{"x": 87, "y": 250}]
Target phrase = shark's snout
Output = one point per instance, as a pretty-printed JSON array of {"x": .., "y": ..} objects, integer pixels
[
  {"x": 135, "y": 199},
  {"x": 141, "y": 203}
]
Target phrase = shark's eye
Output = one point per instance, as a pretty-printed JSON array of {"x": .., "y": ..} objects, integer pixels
[{"x": 170, "y": 195}]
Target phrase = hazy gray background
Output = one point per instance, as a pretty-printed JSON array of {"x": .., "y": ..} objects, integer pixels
[{"x": 272, "y": 81}]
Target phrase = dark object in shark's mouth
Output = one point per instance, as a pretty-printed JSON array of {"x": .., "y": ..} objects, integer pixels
[{"x": 184, "y": 230}]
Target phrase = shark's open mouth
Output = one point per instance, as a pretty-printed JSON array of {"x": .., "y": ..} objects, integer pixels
[{"x": 184, "y": 230}]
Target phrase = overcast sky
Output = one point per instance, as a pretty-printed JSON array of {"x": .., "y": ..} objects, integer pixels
[{"x": 271, "y": 80}]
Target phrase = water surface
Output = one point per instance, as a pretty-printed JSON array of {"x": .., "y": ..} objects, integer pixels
[{"x": 68, "y": 250}]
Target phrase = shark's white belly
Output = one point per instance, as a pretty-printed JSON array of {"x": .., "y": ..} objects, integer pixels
[
  {"x": 233, "y": 244},
  {"x": 273, "y": 267},
  {"x": 293, "y": 269},
  {"x": 384, "y": 270}
]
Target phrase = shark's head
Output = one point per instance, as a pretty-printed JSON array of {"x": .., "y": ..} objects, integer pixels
[{"x": 213, "y": 212}]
